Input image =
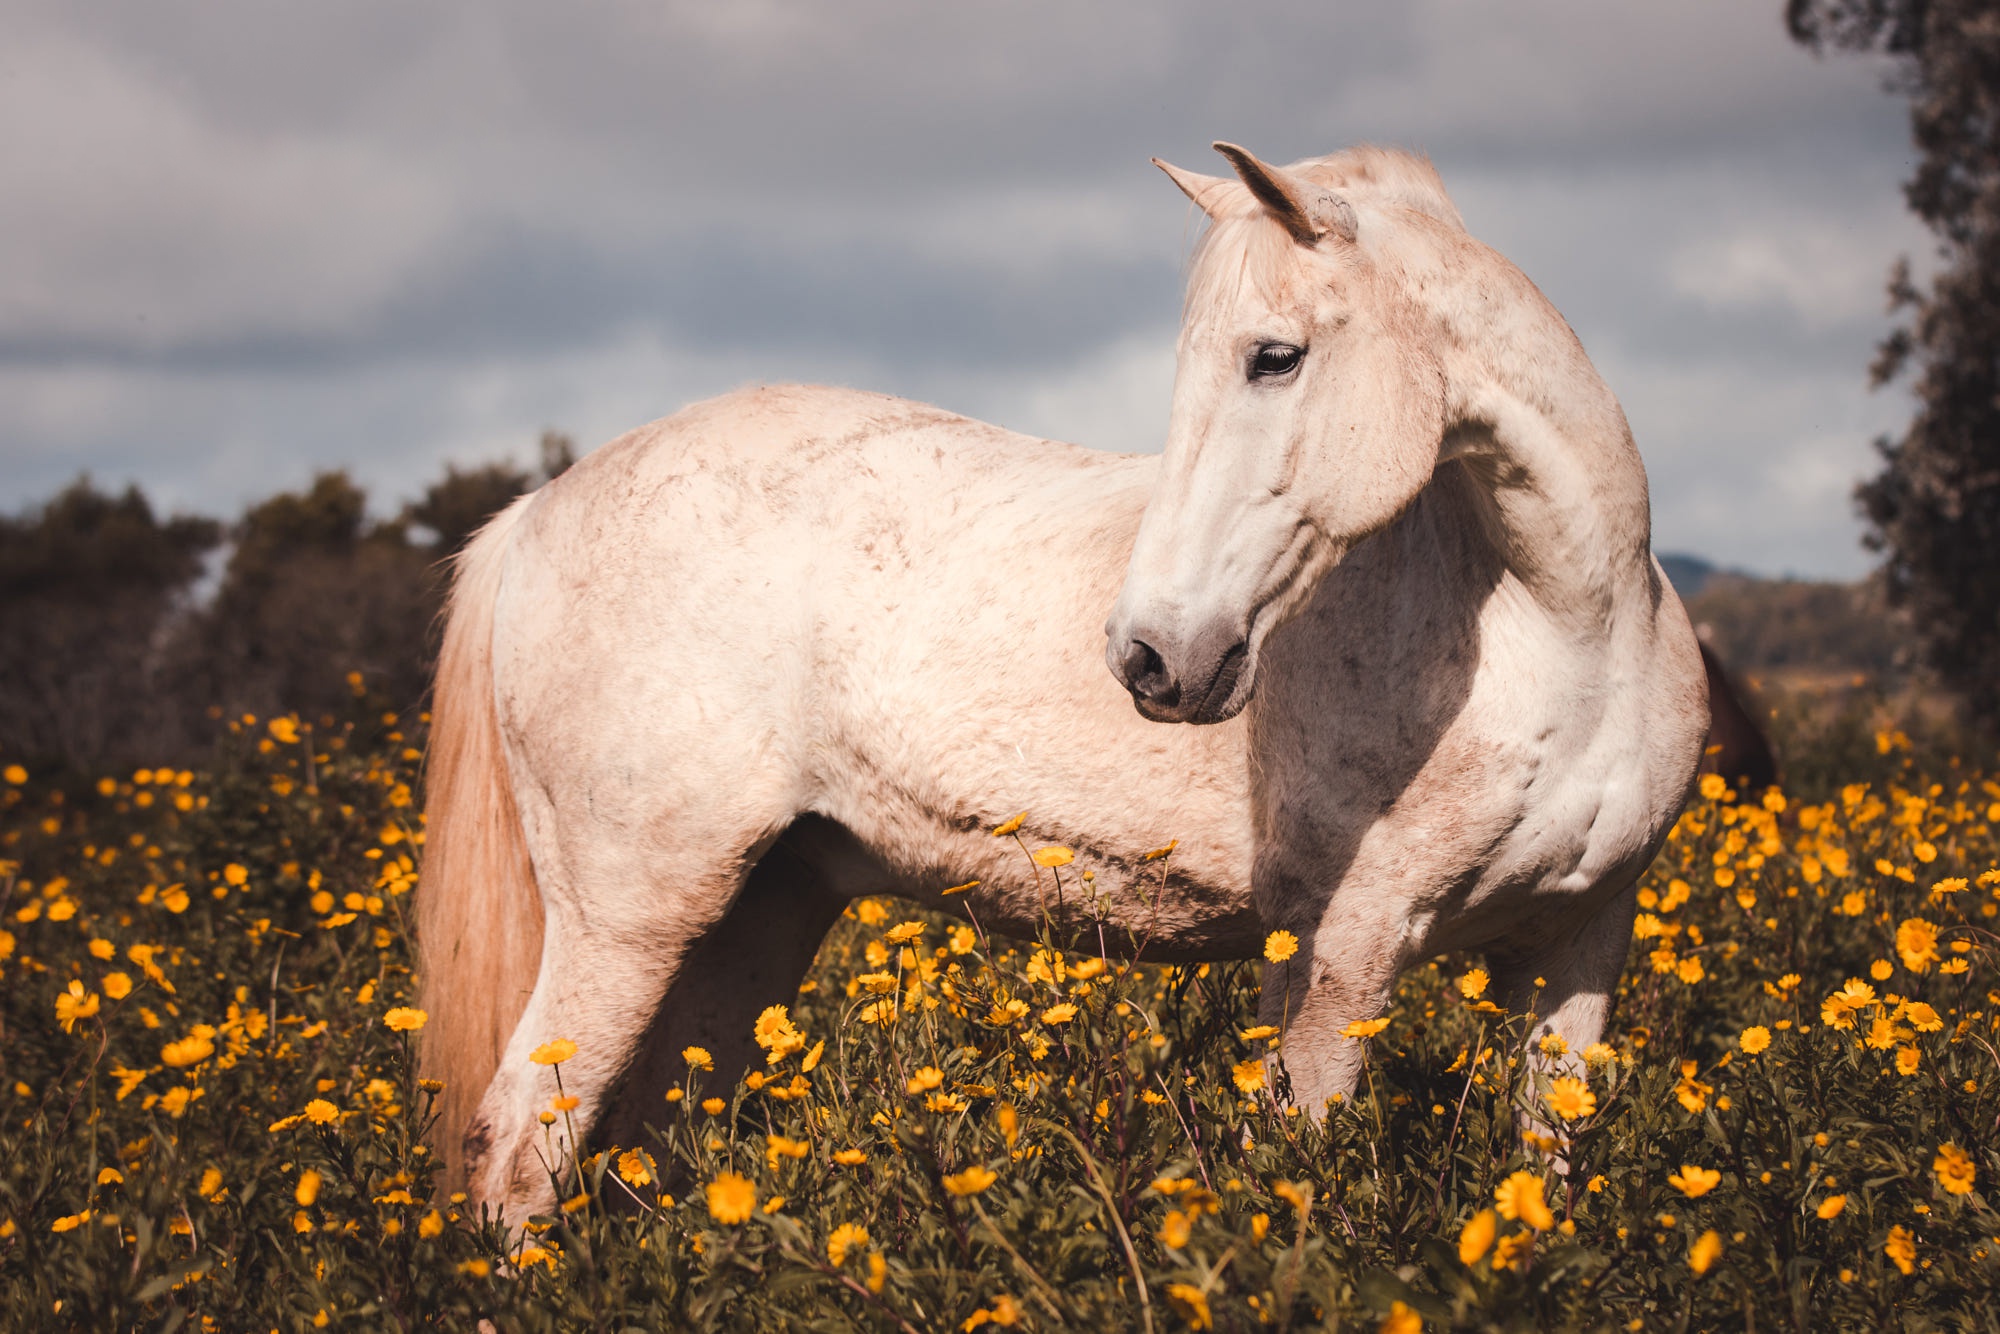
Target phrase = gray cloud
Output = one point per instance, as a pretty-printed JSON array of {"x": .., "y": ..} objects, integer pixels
[{"x": 242, "y": 241}]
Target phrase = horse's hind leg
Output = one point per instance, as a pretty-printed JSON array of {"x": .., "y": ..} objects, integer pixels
[
  {"x": 753, "y": 958},
  {"x": 625, "y": 910}
]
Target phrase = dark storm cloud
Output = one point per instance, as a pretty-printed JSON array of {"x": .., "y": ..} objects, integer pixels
[{"x": 244, "y": 240}]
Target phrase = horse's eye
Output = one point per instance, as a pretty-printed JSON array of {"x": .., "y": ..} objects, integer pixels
[{"x": 1275, "y": 359}]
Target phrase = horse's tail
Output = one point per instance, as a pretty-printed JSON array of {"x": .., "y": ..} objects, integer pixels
[{"x": 479, "y": 912}]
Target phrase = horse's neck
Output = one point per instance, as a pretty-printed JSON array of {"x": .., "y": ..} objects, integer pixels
[{"x": 1563, "y": 490}]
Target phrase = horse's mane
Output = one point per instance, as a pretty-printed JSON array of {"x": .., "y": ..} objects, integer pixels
[{"x": 1245, "y": 245}]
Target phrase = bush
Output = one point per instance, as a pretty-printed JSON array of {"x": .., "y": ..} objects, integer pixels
[{"x": 211, "y": 1116}]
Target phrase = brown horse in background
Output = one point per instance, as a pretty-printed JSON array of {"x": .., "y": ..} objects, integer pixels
[{"x": 1737, "y": 747}]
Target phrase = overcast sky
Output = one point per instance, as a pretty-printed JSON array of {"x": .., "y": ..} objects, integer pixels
[{"x": 241, "y": 242}]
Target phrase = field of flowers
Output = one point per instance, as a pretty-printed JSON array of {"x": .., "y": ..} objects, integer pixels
[{"x": 210, "y": 1118}]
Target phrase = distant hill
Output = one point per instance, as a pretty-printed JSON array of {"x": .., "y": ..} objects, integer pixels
[
  {"x": 1688, "y": 574},
  {"x": 1791, "y": 631}
]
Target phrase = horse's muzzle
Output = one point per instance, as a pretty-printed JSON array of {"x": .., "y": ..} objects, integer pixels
[{"x": 1206, "y": 682}]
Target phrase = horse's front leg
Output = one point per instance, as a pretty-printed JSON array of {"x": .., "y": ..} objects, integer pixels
[{"x": 1345, "y": 966}]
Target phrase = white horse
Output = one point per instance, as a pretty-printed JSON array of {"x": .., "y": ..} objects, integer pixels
[{"x": 796, "y": 645}]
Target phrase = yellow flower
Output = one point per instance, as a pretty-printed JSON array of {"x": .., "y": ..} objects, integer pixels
[
  {"x": 117, "y": 985},
  {"x": 1192, "y": 1303},
  {"x": 1514, "y": 1250},
  {"x": 845, "y": 1238},
  {"x": 1280, "y": 946},
  {"x": 1831, "y": 1206},
  {"x": 1520, "y": 1196},
  {"x": 1712, "y": 787},
  {"x": 71, "y": 1221},
  {"x": 1059, "y": 1014},
  {"x": 1473, "y": 985},
  {"x": 404, "y": 1019},
  {"x": 713, "y": 1106},
  {"x": 926, "y": 1079},
  {"x": 1838, "y": 1009},
  {"x": 1570, "y": 1098},
  {"x": 850, "y": 1157},
  {"x": 1906, "y": 1060},
  {"x": 1954, "y": 1169},
  {"x": 109, "y": 1176},
  {"x": 731, "y": 1198},
  {"x": 75, "y": 1004},
  {"x": 1007, "y": 827},
  {"x": 1292, "y": 1194},
  {"x": 190, "y": 1050},
  {"x": 1364, "y": 1028},
  {"x": 1401, "y": 1320},
  {"x": 777, "y": 1147},
  {"x": 1707, "y": 1249},
  {"x": 1248, "y": 1076},
  {"x": 308, "y": 1188},
  {"x": 1755, "y": 1039},
  {"x": 1054, "y": 856},
  {"x": 698, "y": 1057},
  {"x": 320, "y": 1112},
  {"x": 1260, "y": 1032},
  {"x": 15, "y": 775},
  {"x": 811, "y": 1062},
  {"x": 1476, "y": 1238},
  {"x": 1916, "y": 942},
  {"x": 1901, "y": 1248},
  {"x": 633, "y": 1168},
  {"x": 1175, "y": 1230},
  {"x": 904, "y": 934},
  {"x": 1693, "y": 1181},
  {"x": 1922, "y": 1017},
  {"x": 431, "y": 1225},
  {"x": 777, "y": 1035},
  {"x": 1599, "y": 1054},
  {"x": 971, "y": 1181},
  {"x": 553, "y": 1052}
]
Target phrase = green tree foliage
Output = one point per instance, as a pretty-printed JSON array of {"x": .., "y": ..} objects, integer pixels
[
  {"x": 1934, "y": 510},
  {"x": 87, "y": 585}
]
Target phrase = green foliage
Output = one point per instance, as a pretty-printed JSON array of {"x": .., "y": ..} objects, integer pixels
[{"x": 1121, "y": 1164}]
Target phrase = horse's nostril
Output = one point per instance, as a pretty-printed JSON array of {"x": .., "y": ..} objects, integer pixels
[{"x": 1146, "y": 675}]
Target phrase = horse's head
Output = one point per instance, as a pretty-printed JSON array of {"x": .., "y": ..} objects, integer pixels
[{"x": 1307, "y": 413}]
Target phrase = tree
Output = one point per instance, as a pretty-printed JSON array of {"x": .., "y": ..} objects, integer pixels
[
  {"x": 88, "y": 586},
  {"x": 1934, "y": 509},
  {"x": 312, "y": 591}
]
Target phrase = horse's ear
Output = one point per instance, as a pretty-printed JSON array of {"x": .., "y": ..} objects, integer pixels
[
  {"x": 1207, "y": 192},
  {"x": 1307, "y": 211}
]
